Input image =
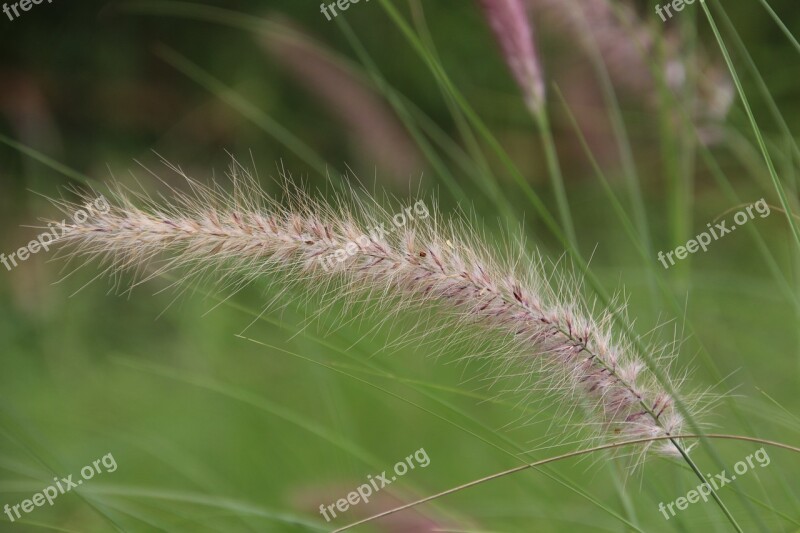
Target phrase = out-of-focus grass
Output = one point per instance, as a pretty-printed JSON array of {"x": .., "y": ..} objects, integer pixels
[{"x": 219, "y": 432}]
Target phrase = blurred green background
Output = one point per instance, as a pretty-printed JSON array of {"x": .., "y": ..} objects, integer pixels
[{"x": 215, "y": 432}]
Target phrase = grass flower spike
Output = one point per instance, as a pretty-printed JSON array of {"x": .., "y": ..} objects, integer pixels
[
  {"x": 508, "y": 21},
  {"x": 443, "y": 269}
]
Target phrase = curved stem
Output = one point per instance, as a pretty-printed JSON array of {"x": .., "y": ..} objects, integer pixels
[{"x": 566, "y": 456}]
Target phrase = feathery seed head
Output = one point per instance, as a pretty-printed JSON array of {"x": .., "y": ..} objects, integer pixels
[{"x": 426, "y": 264}]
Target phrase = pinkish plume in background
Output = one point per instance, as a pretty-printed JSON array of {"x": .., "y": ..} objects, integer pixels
[
  {"x": 508, "y": 20},
  {"x": 24, "y": 104},
  {"x": 375, "y": 131},
  {"x": 627, "y": 44},
  {"x": 619, "y": 36}
]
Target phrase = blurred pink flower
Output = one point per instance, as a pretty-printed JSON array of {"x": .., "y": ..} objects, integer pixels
[
  {"x": 629, "y": 47},
  {"x": 375, "y": 130},
  {"x": 508, "y": 20}
]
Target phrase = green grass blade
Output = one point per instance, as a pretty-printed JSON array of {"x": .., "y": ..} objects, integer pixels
[{"x": 756, "y": 130}]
